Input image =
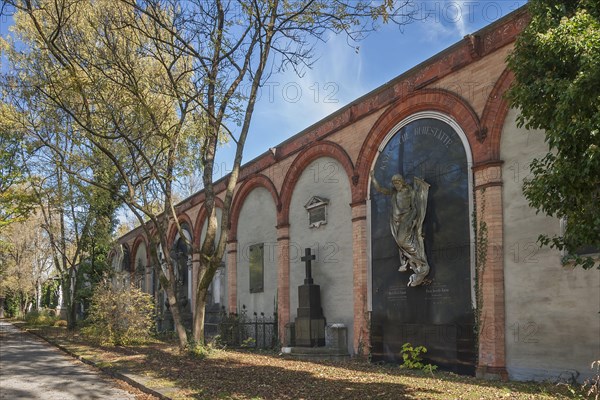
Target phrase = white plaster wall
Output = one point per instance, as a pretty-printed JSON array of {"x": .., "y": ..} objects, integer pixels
[
  {"x": 332, "y": 243},
  {"x": 222, "y": 281},
  {"x": 257, "y": 224},
  {"x": 141, "y": 258},
  {"x": 552, "y": 319}
]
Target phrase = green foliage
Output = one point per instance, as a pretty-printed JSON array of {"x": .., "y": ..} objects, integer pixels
[
  {"x": 199, "y": 350},
  {"x": 481, "y": 249},
  {"x": 50, "y": 293},
  {"x": 16, "y": 198},
  {"x": 11, "y": 306},
  {"x": 249, "y": 342},
  {"x": 120, "y": 316},
  {"x": 41, "y": 318},
  {"x": 556, "y": 62},
  {"x": 412, "y": 358}
]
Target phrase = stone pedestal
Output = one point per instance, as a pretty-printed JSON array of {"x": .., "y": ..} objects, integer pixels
[
  {"x": 336, "y": 346},
  {"x": 290, "y": 335},
  {"x": 336, "y": 337},
  {"x": 310, "y": 323}
]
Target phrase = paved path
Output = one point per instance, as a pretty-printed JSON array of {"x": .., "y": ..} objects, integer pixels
[{"x": 32, "y": 369}]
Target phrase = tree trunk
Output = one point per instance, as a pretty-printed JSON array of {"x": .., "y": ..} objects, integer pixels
[
  {"x": 169, "y": 286},
  {"x": 23, "y": 305},
  {"x": 38, "y": 295},
  {"x": 177, "y": 323},
  {"x": 2, "y": 306},
  {"x": 68, "y": 302},
  {"x": 199, "y": 314}
]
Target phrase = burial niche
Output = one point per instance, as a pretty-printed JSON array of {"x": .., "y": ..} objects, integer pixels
[{"x": 421, "y": 246}]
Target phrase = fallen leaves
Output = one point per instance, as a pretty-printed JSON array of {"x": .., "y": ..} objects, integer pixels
[{"x": 231, "y": 374}]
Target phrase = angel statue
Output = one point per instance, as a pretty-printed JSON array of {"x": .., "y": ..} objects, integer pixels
[{"x": 409, "y": 204}]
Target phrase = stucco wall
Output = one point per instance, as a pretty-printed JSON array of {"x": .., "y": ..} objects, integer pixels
[
  {"x": 257, "y": 222},
  {"x": 220, "y": 277},
  {"x": 552, "y": 320},
  {"x": 141, "y": 259},
  {"x": 332, "y": 269}
]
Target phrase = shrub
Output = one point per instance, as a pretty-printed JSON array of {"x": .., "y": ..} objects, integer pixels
[
  {"x": 412, "y": 359},
  {"x": 60, "y": 322},
  {"x": 198, "y": 350},
  {"x": 119, "y": 316},
  {"x": 249, "y": 342},
  {"x": 40, "y": 317}
]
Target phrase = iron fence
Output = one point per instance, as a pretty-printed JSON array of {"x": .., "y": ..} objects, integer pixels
[{"x": 257, "y": 331}]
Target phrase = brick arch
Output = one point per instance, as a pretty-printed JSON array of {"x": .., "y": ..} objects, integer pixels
[
  {"x": 438, "y": 100},
  {"x": 317, "y": 150},
  {"x": 182, "y": 218},
  {"x": 248, "y": 186},
  {"x": 112, "y": 254},
  {"x": 200, "y": 222},
  {"x": 136, "y": 243},
  {"x": 495, "y": 112}
]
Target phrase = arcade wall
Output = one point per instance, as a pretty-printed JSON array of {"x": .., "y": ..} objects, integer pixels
[
  {"x": 541, "y": 319},
  {"x": 257, "y": 222},
  {"x": 331, "y": 243}
]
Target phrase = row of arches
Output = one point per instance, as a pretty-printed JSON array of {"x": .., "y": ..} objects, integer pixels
[
  {"x": 482, "y": 135},
  {"x": 477, "y": 130}
]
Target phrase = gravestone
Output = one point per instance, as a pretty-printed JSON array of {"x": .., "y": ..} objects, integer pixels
[
  {"x": 336, "y": 337},
  {"x": 310, "y": 322},
  {"x": 437, "y": 313}
]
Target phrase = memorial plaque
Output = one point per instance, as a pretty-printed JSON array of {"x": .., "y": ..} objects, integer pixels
[{"x": 438, "y": 313}]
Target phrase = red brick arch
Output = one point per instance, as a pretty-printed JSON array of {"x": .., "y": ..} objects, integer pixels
[
  {"x": 494, "y": 114},
  {"x": 182, "y": 218},
  {"x": 136, "y": 244},
  {"x": 200, "y": 222},
  {"x": 439, "y": 100},
  {"x": 248, "y": 186},
  {"x": 308, "y": 155}
]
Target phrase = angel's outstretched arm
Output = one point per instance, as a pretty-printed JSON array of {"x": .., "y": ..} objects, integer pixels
[{"x": 379, "y": 188}]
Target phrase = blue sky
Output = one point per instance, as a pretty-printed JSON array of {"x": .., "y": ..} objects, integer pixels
[{"x": 291, "y": 103}]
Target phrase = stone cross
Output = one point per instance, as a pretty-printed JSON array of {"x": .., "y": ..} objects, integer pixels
[{"x": 307, "y": 260}]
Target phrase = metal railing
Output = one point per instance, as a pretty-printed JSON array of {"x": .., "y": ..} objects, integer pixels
[{"x": 240, "y": 330}]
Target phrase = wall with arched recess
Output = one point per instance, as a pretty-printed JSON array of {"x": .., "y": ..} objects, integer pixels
[
  {"x": 173, "y": 230},
  {"x": 308, "y": 155},
  {"x": 442, "y": 101},
  {"x": 331, "y": 243},
  {"x": 141, "y": 263},
  {"x": 257, "y": 226},
  {"x": 242, "y": 192},
  {"x": 491, "y": 359}
]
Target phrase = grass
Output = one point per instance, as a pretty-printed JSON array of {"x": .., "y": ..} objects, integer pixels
[{"x": 230, "y": 374}]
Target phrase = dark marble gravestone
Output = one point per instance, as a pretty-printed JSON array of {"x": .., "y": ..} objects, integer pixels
[
  {"x": 310, "y": 322},
  {"x": 439, "y": 314}
]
